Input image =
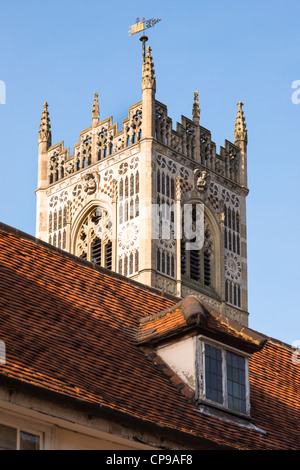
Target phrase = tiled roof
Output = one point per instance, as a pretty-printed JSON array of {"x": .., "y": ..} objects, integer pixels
[{"x": 71, "y": 328}]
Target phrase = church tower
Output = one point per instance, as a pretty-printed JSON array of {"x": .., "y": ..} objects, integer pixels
[{"x": 153, "y": 203}]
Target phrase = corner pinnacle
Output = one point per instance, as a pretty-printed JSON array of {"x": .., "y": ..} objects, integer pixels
[
  {"x": 240, "y": 131},
  {"x": 44, "y": 131},
  {"x": 196, "y": 109},
  {"x": 95, "y": 110},
  {"x": 148, "y": 77}
]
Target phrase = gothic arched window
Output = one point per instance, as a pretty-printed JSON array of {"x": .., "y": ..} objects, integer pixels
[
  {"x": 93, "y": 240},
  {"x": 197, "y": 265}
]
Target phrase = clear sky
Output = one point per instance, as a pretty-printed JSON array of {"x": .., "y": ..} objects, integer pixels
[{"x": 63, "y": 51}]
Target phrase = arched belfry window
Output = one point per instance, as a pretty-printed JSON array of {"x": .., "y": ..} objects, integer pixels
[
  {"x": 198, "y": 264},
  {"x": 93, "y": 237}
]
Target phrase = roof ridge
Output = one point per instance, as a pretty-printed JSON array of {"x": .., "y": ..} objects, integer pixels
[{"x": 185, "y": 305}]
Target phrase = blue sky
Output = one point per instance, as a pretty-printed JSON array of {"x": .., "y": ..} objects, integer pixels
[{"x": 64, "y": 51}]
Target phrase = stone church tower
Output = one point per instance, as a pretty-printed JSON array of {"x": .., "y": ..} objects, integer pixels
[{"x": 109, "y": 201}]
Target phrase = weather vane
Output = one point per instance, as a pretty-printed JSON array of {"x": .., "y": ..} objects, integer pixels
[{"x": 141, "y": 26}]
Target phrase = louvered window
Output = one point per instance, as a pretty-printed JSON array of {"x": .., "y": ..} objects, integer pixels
[
  {"x": 96, "y": 252},
  {"x": 195, "y": 265},
  {"x": 198, "y": 264},
  {"x": 207, "y": 278},
  {"x": 108, "y": 255}
]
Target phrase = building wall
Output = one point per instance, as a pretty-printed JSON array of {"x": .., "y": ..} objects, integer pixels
[{"x": 65, "y": 428}]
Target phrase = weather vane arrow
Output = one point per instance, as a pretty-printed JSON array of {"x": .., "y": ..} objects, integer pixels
[{"x": 140, "y": 26}]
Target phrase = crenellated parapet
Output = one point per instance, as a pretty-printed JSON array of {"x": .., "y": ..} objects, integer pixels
[
  {"x": 194, "y": 141},
  {"x": 96, "y": 143},
  {"x": 182, "y": 140},
  {"x": 190, "y": 139}
]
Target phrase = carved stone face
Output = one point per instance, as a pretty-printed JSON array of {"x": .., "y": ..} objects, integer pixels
[
  {"x": 202, "y": 181},
  {"x": 89, "y": 183},
  {"x": 69, "y": 168}
]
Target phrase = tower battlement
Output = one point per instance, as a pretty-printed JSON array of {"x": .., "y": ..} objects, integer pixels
[{"x": 103, "y": 139}]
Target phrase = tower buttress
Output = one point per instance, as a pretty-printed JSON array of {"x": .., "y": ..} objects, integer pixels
[
  {"x": 147, "y": 187},
  {"x": 44, "y": 142},
  {"x": 241, "y": 140}
]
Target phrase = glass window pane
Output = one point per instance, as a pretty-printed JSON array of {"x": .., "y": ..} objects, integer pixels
[
  {"x": 8, "y": 438},
  {"x": 213, "y": 374},
  {"x": 236, "y": 387},
  {"x": 29, "y": 441}
]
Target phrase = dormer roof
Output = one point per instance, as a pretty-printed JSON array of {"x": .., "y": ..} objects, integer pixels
[{"x": 190, "y": 315}]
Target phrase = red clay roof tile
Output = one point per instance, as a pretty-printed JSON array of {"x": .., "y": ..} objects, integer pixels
[{"x": 71, "y": 328}]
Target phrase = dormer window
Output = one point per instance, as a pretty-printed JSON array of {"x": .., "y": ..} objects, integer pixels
[
  {"x": 208, "y": 355},
  {"x": 223, "y": 377}
]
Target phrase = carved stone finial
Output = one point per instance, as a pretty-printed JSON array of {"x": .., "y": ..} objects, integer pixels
[
  {"x": 148, "y": 77},
  {"x": 95, "y": 110},
  {"x": 240, "y": 131},
  {"x": 45, "y": 132},
  {"x": 196, "y": 109}
]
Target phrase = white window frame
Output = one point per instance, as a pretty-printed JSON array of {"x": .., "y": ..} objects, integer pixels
[
  {"x": 201, "y": 385},
  {"x": 25, "y": 429}
]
